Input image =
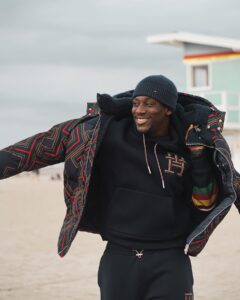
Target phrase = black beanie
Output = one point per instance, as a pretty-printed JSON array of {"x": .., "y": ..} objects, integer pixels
[{"x": 159, "y": 88}]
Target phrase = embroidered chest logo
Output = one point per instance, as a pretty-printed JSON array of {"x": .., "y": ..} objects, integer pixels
[{"x": 176, "y": 164}]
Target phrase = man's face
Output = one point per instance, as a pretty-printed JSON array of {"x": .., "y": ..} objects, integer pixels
[{"x": 150, "y": 115}]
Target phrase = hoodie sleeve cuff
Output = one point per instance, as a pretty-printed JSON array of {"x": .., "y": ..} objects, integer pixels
[{"x": 202, "y": 171}]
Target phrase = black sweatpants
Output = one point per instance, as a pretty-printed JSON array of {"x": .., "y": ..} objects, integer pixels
[{"x": 144, "y": 275}]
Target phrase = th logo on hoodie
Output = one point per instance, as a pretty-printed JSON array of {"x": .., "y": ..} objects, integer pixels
[{"x": 176, "y": 164}]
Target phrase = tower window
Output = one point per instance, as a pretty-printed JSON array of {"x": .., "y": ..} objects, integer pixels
[{"x": 200, "y": 76}]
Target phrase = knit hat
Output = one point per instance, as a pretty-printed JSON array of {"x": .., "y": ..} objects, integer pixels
[{"x": 159, "y": 88}]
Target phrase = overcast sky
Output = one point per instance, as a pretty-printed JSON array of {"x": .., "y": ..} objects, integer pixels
[{"x": 56, "y": 55}]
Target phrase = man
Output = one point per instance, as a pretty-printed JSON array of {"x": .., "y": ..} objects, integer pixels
[
  {"x": 146, "y": 190},
  {"x": 141, "y": 174}
]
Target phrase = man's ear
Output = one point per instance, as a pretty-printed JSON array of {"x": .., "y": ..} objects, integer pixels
[{"x": 168, "y": 111}]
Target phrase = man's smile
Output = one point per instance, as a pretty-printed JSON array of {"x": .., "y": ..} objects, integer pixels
[{"x": 141, "y": 121}]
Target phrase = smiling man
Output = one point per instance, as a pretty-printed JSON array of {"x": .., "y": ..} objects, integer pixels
[
  {"x": 146, "y": 175},
  {"x": 141, "y": 175}
]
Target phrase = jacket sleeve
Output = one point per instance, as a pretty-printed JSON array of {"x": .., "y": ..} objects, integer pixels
[
  {"x": 236, "y": 184},
  {"x": 205, "y": 189},
  {"x": 40, "y": 150}
]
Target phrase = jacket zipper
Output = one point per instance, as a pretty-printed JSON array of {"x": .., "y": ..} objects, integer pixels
[{"x": 189, "y": 243}]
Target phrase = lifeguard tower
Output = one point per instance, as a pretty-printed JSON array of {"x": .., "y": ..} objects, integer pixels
[{"x": 213, "y": 72}]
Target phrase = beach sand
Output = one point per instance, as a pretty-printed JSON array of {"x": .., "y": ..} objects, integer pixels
[{"x": 31, "y": 214}]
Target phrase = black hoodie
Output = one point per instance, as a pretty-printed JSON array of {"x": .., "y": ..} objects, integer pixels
[{"x": 144, "y": 210}]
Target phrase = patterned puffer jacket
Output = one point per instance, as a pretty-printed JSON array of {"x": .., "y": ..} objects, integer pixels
[{"x": 76, "y": 142}]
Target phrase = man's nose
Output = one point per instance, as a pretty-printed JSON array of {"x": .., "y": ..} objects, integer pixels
[{"x": 141, "y": 109}]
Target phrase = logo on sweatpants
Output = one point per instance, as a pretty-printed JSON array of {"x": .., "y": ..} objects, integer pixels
[{"x": 188, "y": 296}]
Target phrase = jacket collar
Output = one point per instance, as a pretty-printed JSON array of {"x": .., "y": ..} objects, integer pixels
[{"x": 190, "y": 108}]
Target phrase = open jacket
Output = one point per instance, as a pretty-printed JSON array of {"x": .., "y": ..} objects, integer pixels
[{"x": 76, "y": 142}]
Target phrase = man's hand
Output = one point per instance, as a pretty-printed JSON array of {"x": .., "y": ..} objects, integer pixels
[{"x": 193, "y": 148}]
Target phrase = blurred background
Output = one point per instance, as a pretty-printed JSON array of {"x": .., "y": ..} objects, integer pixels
[{"x": 55, "y": 56}]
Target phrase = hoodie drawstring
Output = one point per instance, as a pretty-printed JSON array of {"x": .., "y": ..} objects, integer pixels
[
  {"x": 145, "y": 153},
  {"x": 159, "y": 167},
  {"x": 158, "y": 163}
]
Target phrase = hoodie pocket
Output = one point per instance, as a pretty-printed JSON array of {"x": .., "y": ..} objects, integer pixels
[{"x": 140, "y": 215}]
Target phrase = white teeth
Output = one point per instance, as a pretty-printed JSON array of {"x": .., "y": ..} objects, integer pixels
[{"x": 141, "y": 121}]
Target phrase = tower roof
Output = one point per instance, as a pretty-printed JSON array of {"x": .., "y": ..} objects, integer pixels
[{"x": 180, "y": 38}]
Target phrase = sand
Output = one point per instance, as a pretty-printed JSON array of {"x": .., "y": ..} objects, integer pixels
[{"x": 31, "y": 214}]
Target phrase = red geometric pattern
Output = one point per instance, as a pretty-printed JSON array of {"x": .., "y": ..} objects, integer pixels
[
  {"x": 215, "y": 123},
  {"x": 73, "y": 142},
  {"x": 200, "y": 241}
]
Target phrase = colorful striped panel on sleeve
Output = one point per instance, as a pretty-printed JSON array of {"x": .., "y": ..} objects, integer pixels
[{"x": 204, "y": 198}]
